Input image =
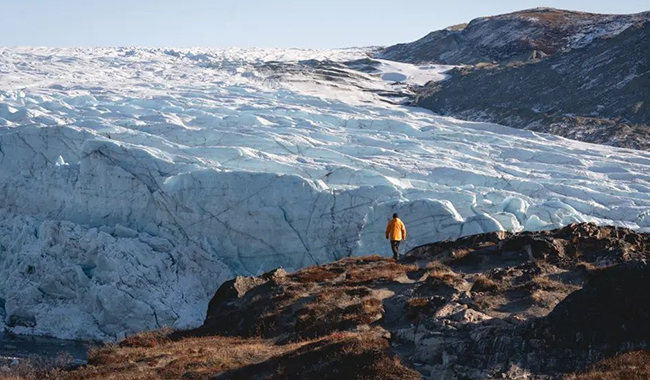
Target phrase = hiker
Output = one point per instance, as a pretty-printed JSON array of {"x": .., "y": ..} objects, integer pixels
[{"x": 396, "y": 232}]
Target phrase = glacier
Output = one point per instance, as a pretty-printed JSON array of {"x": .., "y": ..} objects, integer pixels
[{"x": 134, "y": 181}]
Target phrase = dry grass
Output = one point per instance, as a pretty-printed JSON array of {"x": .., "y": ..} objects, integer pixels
[
  {"x": 439, "y": 277},
  {"x": 437, "y": 266},
  {"x": 629, "y": 366},
  {"x": 338, "y": 309},
  {"x": 544, "y": 291},
  {"x": 442, "y": 277},
  {"x": 317, "y": 335},
  {"x": 353, "y": 356},
  {"x": 350, "y": 355},
  {"x": 318, "y": 274},
  {"x": 548, "y": 284},
  {"x": 540, "y": 297},
  {"x": 342, "y": 295},
  {"x": 384, "y": 270},
  {"x": 193, "y": 358},
  {"x": 147, "y": 339},
  {"x": 460, "y": 253},
  {"x": 466, "y": 255},
  {"x": 487, "y": 284},
  {"x": 151, "y": 355}
]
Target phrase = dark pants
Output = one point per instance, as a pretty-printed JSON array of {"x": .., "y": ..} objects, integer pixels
[{"x": 394, "y": 245}]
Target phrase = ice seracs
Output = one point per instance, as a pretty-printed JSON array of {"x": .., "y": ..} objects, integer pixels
[{"x": 134, "y": 181}]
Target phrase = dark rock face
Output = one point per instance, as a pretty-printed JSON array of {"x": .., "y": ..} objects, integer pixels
[
  {"x": 223, "y": 310},
  {"x": 578, "y": 75},
  {"x": 518, "y": 36},
  {"x": 599, "y": 93},
  {"x": 612, "y": 309},
  {"x": 531, "y": 305},
  {"x": 541, "y": 304}
]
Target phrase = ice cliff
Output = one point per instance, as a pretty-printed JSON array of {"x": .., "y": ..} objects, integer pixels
[{"x": 134, "y": 181}]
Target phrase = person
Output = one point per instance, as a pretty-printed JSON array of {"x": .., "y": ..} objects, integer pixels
[{"x": 396, "y": 233}]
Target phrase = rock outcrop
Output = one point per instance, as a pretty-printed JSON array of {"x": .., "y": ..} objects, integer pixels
[
  {"x": 532, "y": 305},
  {"x": 536, "y": 304}
]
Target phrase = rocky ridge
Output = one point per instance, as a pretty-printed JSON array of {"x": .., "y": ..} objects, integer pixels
[
  {"x": 534, "y": 305},
  {"x": 494, "y": 305},
  {"x": 513, "y": 37},
  {"x": 596, "y": 94},
  {"x": 578, "y": 75}
]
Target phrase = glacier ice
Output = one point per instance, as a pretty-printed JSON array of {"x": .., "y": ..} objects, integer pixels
[{"x": 134, "y": 181}]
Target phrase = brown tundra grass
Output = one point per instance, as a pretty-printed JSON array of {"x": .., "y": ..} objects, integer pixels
[
  {"x": 355, "y": 356},
  {"x": 151, "y": 355},
  {"x": 486, "y": 284},
  {"x": 318, "y": 274},
  {"x": 380, "y": 270},
  {"x": 629, "y": 366}
]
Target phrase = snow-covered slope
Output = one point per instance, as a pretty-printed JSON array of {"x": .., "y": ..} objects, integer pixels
[{"x": 134, "y": 181}]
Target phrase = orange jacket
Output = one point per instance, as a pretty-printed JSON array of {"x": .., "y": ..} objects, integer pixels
[{"x": 395, "y": 230}]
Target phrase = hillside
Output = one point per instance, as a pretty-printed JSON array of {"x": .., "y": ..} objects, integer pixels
[
  {"x": 599, "y": 93},
  {"x": 541, "y": 305},
  {"x": 578, "y": 75},
  {"x": 517, "y": 36}
]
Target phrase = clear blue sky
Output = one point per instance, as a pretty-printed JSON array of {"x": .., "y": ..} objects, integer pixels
[{"x": 259, "y": 23}]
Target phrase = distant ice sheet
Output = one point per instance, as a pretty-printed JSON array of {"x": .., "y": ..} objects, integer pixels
[{"x": 134, "y": 181}]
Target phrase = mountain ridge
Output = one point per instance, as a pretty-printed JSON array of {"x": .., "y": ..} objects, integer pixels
[
  {"x": 598, "y": 93},
  {"x": 511, "y": 37},
  {"x": 579, "y": 75}
]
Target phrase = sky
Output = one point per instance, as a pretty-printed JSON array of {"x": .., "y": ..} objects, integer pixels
[{"x": 254, "y": 23}]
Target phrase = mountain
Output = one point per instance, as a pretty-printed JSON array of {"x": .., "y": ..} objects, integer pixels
[
  {"x": 578, "y": 75},
  {"x": 599, "y": 93},
  {"x": 133, "y": 182},
  {"x": 532, "y": 305},
  {"x": 518, "y": 36}
]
